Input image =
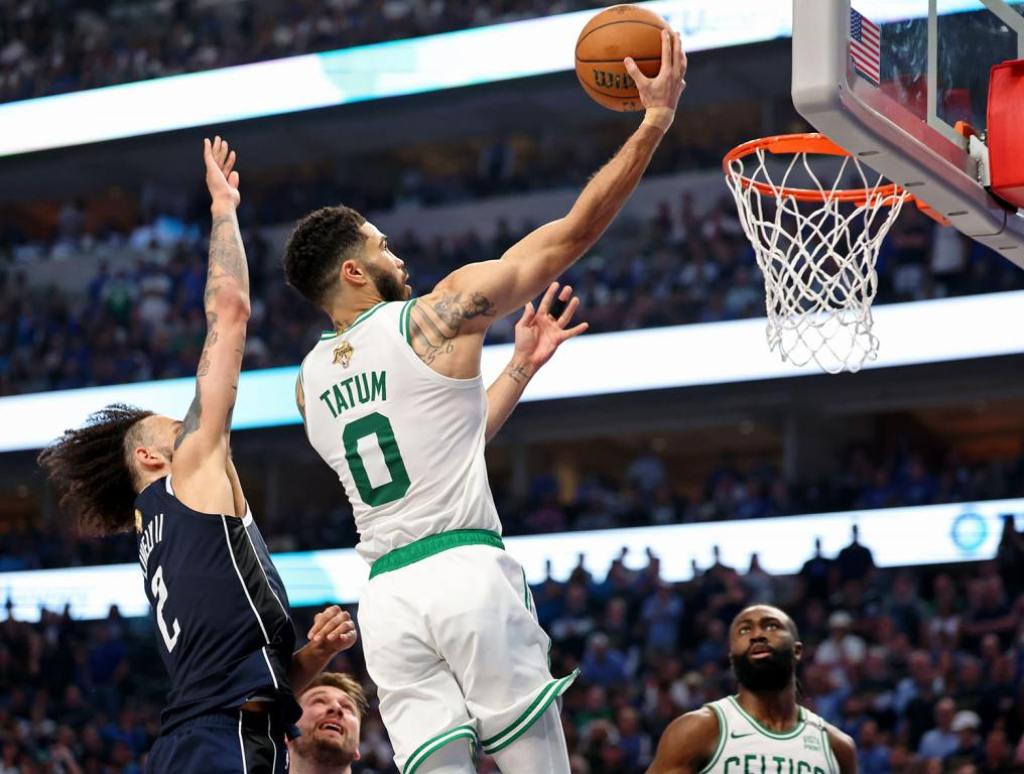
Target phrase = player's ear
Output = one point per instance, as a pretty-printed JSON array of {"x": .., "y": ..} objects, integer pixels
[
  {"x": 798, "y": 650},
  {"x": 353, "y": 273},
  {"x": 147, "y": 458}
]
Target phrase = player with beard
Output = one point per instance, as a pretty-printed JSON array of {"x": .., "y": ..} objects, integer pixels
[
  {"x": 393, "y": 401},
  {"x": 762, "y": 729},
  {"x": 333, "y": 706}
]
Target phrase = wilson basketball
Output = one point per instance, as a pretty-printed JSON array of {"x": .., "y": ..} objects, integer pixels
[{"x": 608, "y": 38}]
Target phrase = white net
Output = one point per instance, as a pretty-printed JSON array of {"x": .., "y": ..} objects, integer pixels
[{"x": 817, "y": 248}]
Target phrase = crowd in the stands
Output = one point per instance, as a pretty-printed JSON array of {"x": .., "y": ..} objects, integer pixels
[
  {"x": 921, "y": 666},
  {"x": 642, "y": 496},
  {"x": 58, "y": 46},
  {"x": 677, "y": 267}
]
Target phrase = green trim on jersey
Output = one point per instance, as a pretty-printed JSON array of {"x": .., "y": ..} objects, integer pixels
[
  {"x": 435, "y": 743},
  {"x": 403, "y": 320},
  {"x": 833, "y": 764},
  {"x": 522, "y": 724},
  {"x": 723, "y": 733},
  {"x": 434, "y": 544},
  {"x": 800, "y": 724},
  {"x": 526, "y": 590}
]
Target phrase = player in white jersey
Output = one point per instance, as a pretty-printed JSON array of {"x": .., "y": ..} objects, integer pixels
[
  {"x": 762, "y": 729},
  {"x": 393, "y": 401}
]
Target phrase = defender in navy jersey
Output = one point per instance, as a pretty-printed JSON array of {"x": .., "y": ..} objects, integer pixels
[{"x": 224, "y": 628}]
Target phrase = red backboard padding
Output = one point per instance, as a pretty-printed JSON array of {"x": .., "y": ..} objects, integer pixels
[{"x": 1005, "y": 136}]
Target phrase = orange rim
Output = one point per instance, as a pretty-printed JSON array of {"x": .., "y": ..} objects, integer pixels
[{"x": 811, "y": 142}]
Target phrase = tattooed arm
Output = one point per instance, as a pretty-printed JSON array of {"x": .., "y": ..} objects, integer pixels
[
  {"x": 201, "y": 463},
  {"x": 538, "y": 335},
  {"x": 529, "y": 266}
]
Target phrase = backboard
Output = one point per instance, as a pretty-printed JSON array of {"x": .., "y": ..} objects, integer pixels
[{"x": 888, "y": 80}]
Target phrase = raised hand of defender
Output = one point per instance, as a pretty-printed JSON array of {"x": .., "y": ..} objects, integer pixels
[
  {"x": 539, "y": 334},
  {"x": 664, "y": 89},
  {"x": 333, "y": 631},
  {"x": 221, "y": 177}
]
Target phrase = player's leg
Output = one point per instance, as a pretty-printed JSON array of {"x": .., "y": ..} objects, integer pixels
[
  {"x": 223, "y": 742},
  {"x": 499, "y": 655},
  {"x": 421, "y": 703},
  {"x": 540, "y": 748}
]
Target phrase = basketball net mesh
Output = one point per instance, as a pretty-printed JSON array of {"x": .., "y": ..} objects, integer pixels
[{"x": 818, "y": 257}]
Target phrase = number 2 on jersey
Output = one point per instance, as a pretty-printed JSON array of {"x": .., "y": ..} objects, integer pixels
[
  {"x": 160, "y": 592},
  {"x": 376, "y": 424}
]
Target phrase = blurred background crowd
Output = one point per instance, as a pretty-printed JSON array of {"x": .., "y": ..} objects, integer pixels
[
  {"x": 58, "y": 46},
  {"x": 921, "y": 666},
  {"x": 145, "y": 321},
  {"x": 101, "y": 283},
  {"x": 644, "y": 495}
]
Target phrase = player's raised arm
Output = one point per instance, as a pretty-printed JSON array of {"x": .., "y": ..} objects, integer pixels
[
  {"x": 204, "y": 433},
  {"x": 538, "y": 335},
  {"x": 539, "y": 258}
]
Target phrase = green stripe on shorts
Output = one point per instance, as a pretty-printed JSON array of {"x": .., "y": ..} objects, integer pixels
[{"x": 521, "y": 725}]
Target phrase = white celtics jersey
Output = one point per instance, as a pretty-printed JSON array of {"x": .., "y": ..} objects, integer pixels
[
  {"x": 745, "y": 747},
  {"x": 407, "y": 442}
]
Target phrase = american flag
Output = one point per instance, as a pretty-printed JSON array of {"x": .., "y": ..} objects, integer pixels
[{"x": 865, "y": 47}]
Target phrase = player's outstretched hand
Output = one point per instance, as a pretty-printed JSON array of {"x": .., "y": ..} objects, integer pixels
[
  {"x": 665, "y": 88},
  {"x": 539, "y": 334},
  {"x": 221, "y": 176},
  {"x": 333, "y": 631}
]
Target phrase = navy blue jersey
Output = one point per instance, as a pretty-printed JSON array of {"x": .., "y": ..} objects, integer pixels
[{"x": 223, "y": 625}]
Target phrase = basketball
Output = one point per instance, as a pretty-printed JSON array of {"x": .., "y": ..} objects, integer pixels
[{"x": 608, "y": 38}]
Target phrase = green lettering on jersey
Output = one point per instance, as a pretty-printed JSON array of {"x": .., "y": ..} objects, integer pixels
[
  {"x": 747, "y": 760},
  {"x": 378, "y": 386},
  {"x": 801, "y": 765},
  {"x": 731, "y": 760},
  {"x": 362, "y": 388},
  {"x": 347, "y": 384},
  {"x": 339, "y": 398},
  {"x": 779, "y": 760},
  {"x": 325, "y": 396}
]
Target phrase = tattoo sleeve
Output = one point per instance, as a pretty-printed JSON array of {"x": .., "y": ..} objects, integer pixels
[
  {"x": 191, "y": 421},
  {"x": 434, "y": 327},
  {"x": 227, "y": 265}
]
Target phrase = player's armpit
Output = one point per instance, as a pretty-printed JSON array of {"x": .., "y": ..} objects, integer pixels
[{"x": 688, "y": 744}]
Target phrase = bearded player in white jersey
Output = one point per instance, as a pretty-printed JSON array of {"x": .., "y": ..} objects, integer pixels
[
  {"x": 762, "y": 729},
  {"x": 393, "y": 402}
]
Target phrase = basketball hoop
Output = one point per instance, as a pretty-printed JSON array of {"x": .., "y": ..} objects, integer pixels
[{"x": 816, "y": 245}]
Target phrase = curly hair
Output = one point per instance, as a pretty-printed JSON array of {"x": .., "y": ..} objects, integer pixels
[
  {"x": 90, "y": 468},
  {"x": 343, "y": 683},
  {"x": 318, "y": 246}
]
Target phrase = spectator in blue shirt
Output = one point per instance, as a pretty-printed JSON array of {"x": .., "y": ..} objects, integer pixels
[
  {"x": 941, "y": 741},
  {"x": 602, "y": 665}
]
